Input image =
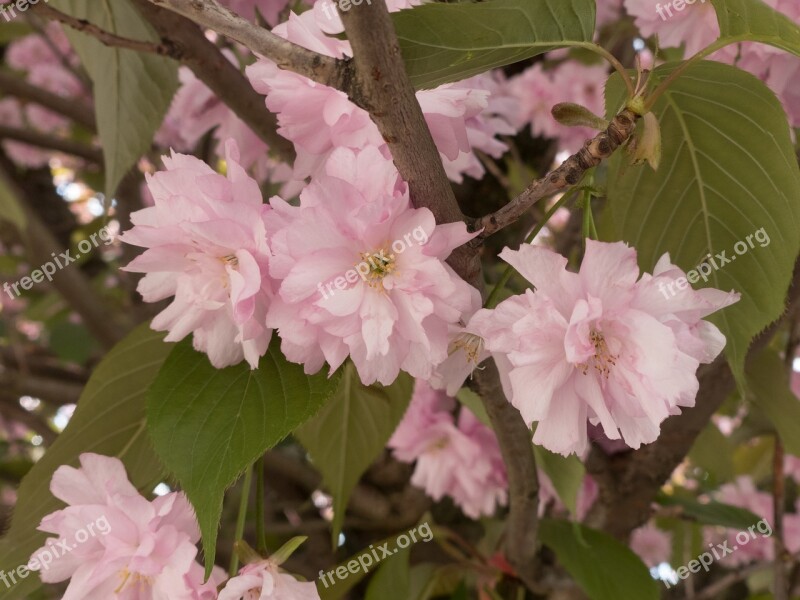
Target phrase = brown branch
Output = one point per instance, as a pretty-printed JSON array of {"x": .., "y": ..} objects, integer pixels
[
  {"x": 187, "y": 44},
  {"x": 68, "y": 107},
  {"x": 52, "y": 391},
  {"x": 516, "y": 447},
  {"x": 630, "y": 481},
  {"x": 317, "y": 67},
  {"x": 105, "y": 37},
  {"x": 47, "y": 142},
  {"x": 568, "y": 174}
]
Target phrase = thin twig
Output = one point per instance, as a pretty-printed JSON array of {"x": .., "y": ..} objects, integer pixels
[
  {"x": 48, "y": 142},
  {"x": 68, "y": 107}
]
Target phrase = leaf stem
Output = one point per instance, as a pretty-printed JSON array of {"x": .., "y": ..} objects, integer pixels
[
  {"x": 618, "y": 66},
  {"x": 240, "y": 521}
]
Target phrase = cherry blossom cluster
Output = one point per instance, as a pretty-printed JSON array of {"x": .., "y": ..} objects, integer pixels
[{"x": 148, "y": 549}]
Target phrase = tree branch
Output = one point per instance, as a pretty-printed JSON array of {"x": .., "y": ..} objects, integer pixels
[
  {"x": 68, "y": 107},
  {"x": 317, "y": 67},
  {"x": 47, "y": 142},
  {"x": 188, "y": 45},
  {"x": 568, "y": 174},
  {"x": 381, "y": 87}
]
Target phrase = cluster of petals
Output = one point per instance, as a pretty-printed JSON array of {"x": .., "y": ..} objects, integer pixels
[
  {"x": 652, "y": 545},
  {"x": 318, "y": 118},
  {"x": 263, "y": 580},
  {"x": 538, "y": 89},
  {"x": 207, "y": 246},
  {"x": 457, "y": 459},
  {"x": 138, "y": 548},
  {"x": 600, "y": 345},
  {"x": 759, "y": 545},
  {"x": 394, "y": 297}
]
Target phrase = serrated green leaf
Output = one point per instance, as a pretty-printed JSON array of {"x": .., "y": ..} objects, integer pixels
[
  {"x": 599, "y": 565},
  {"x": 728, "y": 170},
  {"x": 109, "y": 420},
  {"x": 754, "y": 20},
  {"x": 351, "y": 432},
  {"x": 132, "y": 90},
  {"x": 208, "y": 425},
  {"x": 713, "y": 452},
  {"x": 442, "y": 43},
  {"x": 711, "y": 513},
  {"x": 768, "y": 383}
]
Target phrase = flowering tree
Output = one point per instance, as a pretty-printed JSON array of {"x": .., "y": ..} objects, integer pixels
[{"x": 294, "y": 288}]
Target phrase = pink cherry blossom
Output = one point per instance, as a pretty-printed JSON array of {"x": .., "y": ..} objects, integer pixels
[
  {"x": 653, "y": 545},
  {"x": 608, "y": 11},
  {"x": 460, "y": 460},
  {"x": 362, "y": 273},
  {"x": 269, "y": 9},
  {"x": 695, "y": 25},
  {"x": 207, "y": 247},
  {"x": 598, "y": 346},
  {"x": 141, "y": 549},
  {"x": 264, "y": 581}
]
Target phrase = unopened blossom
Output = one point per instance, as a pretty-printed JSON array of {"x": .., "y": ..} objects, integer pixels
[
  {"x": 652, "y": 545},
  {"x": 206, "y": 246},
  {"x": 135, "y": 548},
  {"x": 363, "y": 274},
  {"x": 264, "y": 581},
  {"x": 599, "y": 346},
  {"x": 461, "y": 460}
]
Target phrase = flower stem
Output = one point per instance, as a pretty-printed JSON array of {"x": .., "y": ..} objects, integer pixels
[
  {"x": 261, "y": 539},
  {"x": 240, "y": 521}
]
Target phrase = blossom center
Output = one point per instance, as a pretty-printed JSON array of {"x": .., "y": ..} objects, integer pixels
[
  {"x": 603, "y": 360},
  {"x": 471, "y": 344},
  {"x": 134, "y": 579},
  {"x": 378, "y": 265}
]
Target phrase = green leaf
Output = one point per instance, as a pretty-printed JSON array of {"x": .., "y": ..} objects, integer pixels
[
  {"x": 449, "y": 42},
  {"x": 282, "y": 554},
  {"x": 711, "y": 513},
  {"x": 351, "y": 432},
  {"x": 754, "y": 20},
  {"x": 392, "y": 580},
  {"x": 566, "y": 474},
  {"x": 728, "y": 171},
  {"x": 208, "y": 425},
  {"x": 10, "y": 209},
  {"x": 768, "y": 383},
  {"x": 713, "y": 452},
  {"x": 605, "y": 568},
  {"x": 132, "y": 91},
  {"x": 109, "y": 420}
]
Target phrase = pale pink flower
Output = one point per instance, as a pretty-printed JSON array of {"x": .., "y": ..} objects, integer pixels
[
  {"x": 207, "y": 247},
  {"x": 537, "y": 91},
  {"x": 461, "y": 460},
  {"x": 269, "y": 9},
  {"x": 608, "y": 11},
  {"x": 694, "y": 25},
  {"x": 590, "y": 346},
  {"x": 264, "y": 581},
  {"x": 128, "y": 547},
  {"x": 652, "y": 545},
  {"x": 363, "y": 274}
]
